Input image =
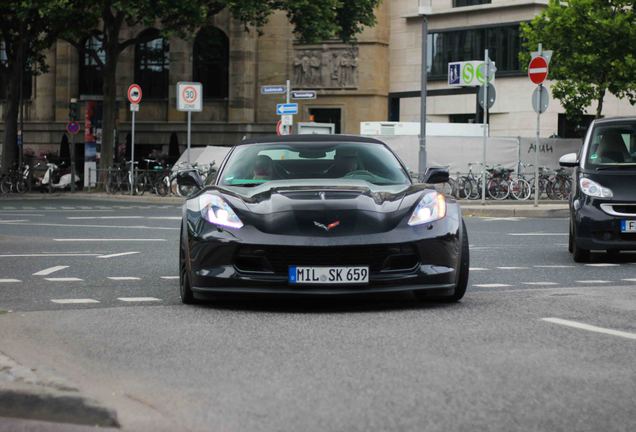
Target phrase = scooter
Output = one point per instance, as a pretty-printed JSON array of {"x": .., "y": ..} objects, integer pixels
[{"x": 53, "y": 179}]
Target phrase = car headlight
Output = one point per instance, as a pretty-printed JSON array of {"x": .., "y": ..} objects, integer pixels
[
  {"x": 591, "y": 188},
  {"x": 215, "y": 210},
  {"x": 431, "y": 207}
]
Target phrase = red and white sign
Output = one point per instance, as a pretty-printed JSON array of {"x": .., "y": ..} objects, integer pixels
[
  {"x": 189, "y": 96},
  {"x": 134, "y": 94},
  {"x": 279, "y": 128},
  {"x": 538, "y": 70}
]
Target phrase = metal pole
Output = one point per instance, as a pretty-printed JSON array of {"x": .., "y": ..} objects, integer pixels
[
  {"x": 72, "y": 163},
  {"x": 537, "y": 192},
  {"x": 132, "y": 156},
  {"x": 288, "y": 100},
  {"x": 483, "y": 172},
  {"x": 422, "y": 162},
  {"x": 189, "y": 134}
]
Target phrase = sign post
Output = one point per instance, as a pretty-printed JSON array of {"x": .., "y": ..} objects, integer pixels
[
  {"x": 538, "y": 72},
  {"x": 486, "y": 105},
  {"x": 189, "y": 99},
  {"x": 134, "y": 97}
]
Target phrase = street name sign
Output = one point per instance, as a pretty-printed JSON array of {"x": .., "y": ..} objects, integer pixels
[
  {"x": 304, "y": 94},
  {"x": 470, "y": 73},
  {"x": 134, "y": 93},
  {"x": 289, "y": 108},
  {"x": 189, "y": 96},
  {"x": 273, "y": 89},
  {"x": 538, "y": 69}
]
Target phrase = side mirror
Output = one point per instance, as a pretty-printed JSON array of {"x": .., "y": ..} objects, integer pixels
[
  {"x": 436, "y": 175},
  {"x": 569, "y": 160},
  {"x": 189, "y": 182}
]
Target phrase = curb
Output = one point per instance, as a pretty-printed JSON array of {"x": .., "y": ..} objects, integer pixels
[
  {"x": 515, "y": 212},
  {"x": 99, "y": 196}
]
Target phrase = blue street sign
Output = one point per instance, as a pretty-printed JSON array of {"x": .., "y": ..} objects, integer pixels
[
  {"x": 273, "y": 89},
  {"x": 287, "y": 109},
  {"x": 454, "y": 73}
]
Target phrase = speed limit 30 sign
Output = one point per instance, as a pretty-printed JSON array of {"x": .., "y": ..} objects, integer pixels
[{"x": 189, "y": 96}]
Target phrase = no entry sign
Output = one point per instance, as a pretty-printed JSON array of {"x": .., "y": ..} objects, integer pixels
[
  {"x": 538, "y": 70},
  {"x": 134, "y": 94}
]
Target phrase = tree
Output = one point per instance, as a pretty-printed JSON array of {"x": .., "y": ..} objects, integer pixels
[
  {"x": 593, "y": 43},
  {"x": 27, "y": 29},
  {"x": 313, "y": 20}
]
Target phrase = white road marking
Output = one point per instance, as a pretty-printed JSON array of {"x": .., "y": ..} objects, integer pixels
[
  {"x": 5, "y": 214},
  {"x": 169, "y": 277},
  {"x": 554, "y": 266},
  {"x": 593, "y": 281},
  {"x": 47, "y": 255},
  {"x": 123, "y": 278},
  {"x": 102, "y": 217},
  {"x": 12, "y": 221},
  {"x": 165, "y": 217},
  {"x": 66, "y": 279},
  {"x": 118, "y": 254},
  {"x": 93, "y": 226},
  {"x": 512, "y": 268},
  {"x": 107, "y": 240},
  {"x": 9, "y": 280},
  {"x": 540, "y": 283},
  {"x": 492, "y": 285},
  {"x": 74, "y": 301},
  {"x": 588, "y": 327},
  {"x": 629, "y": 280},
  {"x": 48, "y": 271},
  {"x": 138, "y": 299},
  {"x": 602, "y": 265},
  {"x": 537, "y": 234},
  {"x": 478, "y": 269}
]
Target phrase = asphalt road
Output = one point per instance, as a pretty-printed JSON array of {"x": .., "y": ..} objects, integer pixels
[{"x": 88, "y": 292}]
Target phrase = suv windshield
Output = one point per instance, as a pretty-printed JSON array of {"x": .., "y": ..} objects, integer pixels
[
  {"x": 254, "y": 164},
  {"x": 612, "y": 145}
]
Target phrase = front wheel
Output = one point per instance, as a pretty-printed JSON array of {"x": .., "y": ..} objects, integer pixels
[
  {"x": 578, "y": 254},
  {"x": 185, "y": 287}
]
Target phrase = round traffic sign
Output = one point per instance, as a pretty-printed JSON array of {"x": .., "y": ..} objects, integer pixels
[
  {"x": 134, "y": 94},
  {"x": 492, "y": 96},
  {"x": 279, "y": 128},
  {"x": 540, "y": 99},
  {"x": 189, "y": 94},
  {"x": 73, "y": 128},
  {"x": 538, "y": 69}
]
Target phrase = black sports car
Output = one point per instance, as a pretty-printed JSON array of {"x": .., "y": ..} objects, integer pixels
[{"x": 318, "y": 214}]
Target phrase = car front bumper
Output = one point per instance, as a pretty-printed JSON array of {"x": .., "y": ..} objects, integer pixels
[{"x": 597, "y": 230}]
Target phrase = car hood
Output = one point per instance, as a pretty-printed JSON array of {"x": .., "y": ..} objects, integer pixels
[
  {"x": 622, "y": 182},
  {"x": 322, "y": 208}
]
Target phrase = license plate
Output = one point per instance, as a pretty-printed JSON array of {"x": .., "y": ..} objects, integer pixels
[
  {"x": 328, "y": 275},
  {"x": 628, "y": 226}
]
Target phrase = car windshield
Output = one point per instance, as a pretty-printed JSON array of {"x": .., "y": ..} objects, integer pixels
[
  {"x": 613, "y": 146},
  {"x": 254, "y": 164}
]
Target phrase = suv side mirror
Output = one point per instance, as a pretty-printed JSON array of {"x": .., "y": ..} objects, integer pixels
[
  {"x": 569, "y": 160},
  {"x": 189, "y": 182},
  {"x": 436, "y": 175}
]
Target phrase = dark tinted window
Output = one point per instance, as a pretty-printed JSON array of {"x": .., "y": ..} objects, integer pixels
[
  {"x": 92, "y": 59},
  {"x": 211, "y": 62},
  {"x": 152, "y": 64},
  {"x": 503, "y": 44},
  {"x": 27, "y": 80},
  {"x": 460, "y": 3},
  {"x": 612, "y": 145}
]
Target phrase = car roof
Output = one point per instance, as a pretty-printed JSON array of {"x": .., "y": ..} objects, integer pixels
[
  {"x": 614, "y": 120},
  {"x": 315, "y": 138}
]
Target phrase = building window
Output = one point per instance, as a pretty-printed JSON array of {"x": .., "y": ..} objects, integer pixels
[
  {"x": 461, "y": 3},
  {"x": 503, "y": 43},
  {"x": 27, "y": 82},
  {"x": 461, "y": 118},
  {"x": 327, "y": 115},
  {"x": 210, "y": 66},
  {"x": 92, "y": 59},
  {"x": 574, "y": 129},
  {"x": 152, "y": 65}
]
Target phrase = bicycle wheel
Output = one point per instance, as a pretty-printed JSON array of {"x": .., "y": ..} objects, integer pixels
[
  {"x": 472, "y": 189},
  {"x": 161, "y": 187},
  {"x": 140, "y": 185},
  {"x": 5, "y": 185},
  {"x": 520, "y": 189},
  {"x": 20, "y": 186},
  {"x": 498, "y": 188}
]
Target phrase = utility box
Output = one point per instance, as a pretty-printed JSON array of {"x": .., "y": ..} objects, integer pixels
[{"x": 316, "y": 128}]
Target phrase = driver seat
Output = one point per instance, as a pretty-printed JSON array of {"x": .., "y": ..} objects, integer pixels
[{"x": 343, "y": 164}]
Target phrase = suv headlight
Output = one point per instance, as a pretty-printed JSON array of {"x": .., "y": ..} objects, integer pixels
[
  {"x": 431, "y": 207},
  {"x": 593, "y": 189},
  {"x": 215, "y": 210}
]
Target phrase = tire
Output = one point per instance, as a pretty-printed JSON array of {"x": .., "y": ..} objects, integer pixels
[
  {"x": 185, "y": 288},
  {"x": 462, "y": 281},
  {"x": 578, "y": 254},
  {"x": 162, "y": 188},
  {"x": 520, "y": 189},
  {"x": 140, "y": 186},
  {"x": 498, "y": 189},
  {"x": 5, "y": 185}
]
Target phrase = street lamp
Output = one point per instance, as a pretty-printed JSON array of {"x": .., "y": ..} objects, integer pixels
[{"x": 424, "y": 10}]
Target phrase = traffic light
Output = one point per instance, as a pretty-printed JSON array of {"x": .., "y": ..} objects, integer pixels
[{"x": 73, "y": 110}]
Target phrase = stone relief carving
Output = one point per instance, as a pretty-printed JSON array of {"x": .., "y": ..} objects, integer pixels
[{"x": 326, "y": 67}]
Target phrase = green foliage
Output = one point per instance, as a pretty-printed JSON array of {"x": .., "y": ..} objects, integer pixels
[{"x": 594, "y": 44}]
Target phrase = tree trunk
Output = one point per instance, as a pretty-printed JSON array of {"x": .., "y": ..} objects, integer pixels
[
  {"x": 109, "y": 108},
  {"x": 10, "y": 140},
  {"x": 599, "y": 106}
]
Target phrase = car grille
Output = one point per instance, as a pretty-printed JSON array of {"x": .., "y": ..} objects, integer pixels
[
  {"x": 625, "y": 209},
  {"x": 277, "y": 259}
]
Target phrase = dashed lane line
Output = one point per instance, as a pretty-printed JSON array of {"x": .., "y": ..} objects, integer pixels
[
  {"x": 629, "y": 280},
  {"x": 118, "y": 254},
  {"x": 591, "y": 328},
  {"x": 48, "y": 271},
  {"x": 124, "y": 278},
  {"x": 10, "y": 280},
  {"x": 593, "y": 281},
  {"x": 540, "y": 283},
  {"x": 47, "y": 255},
  {"x": 478, "y": 269},
  {"x": 108, "y": 239},
  {"x": 513, "y": 268},
  {"x": 64, "y": 279},
  {"x": 138, "y": 299},
  {"x": 169, "y": 277},
  {"x": 492, "y": 285},
  {"x": 90, "y": 226},
  {"x": 602, "y": 265},
  {"x": 555, "y": 266},
  {"x": 536, "y": 234},
  {"x": 74, "y": 301}
]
